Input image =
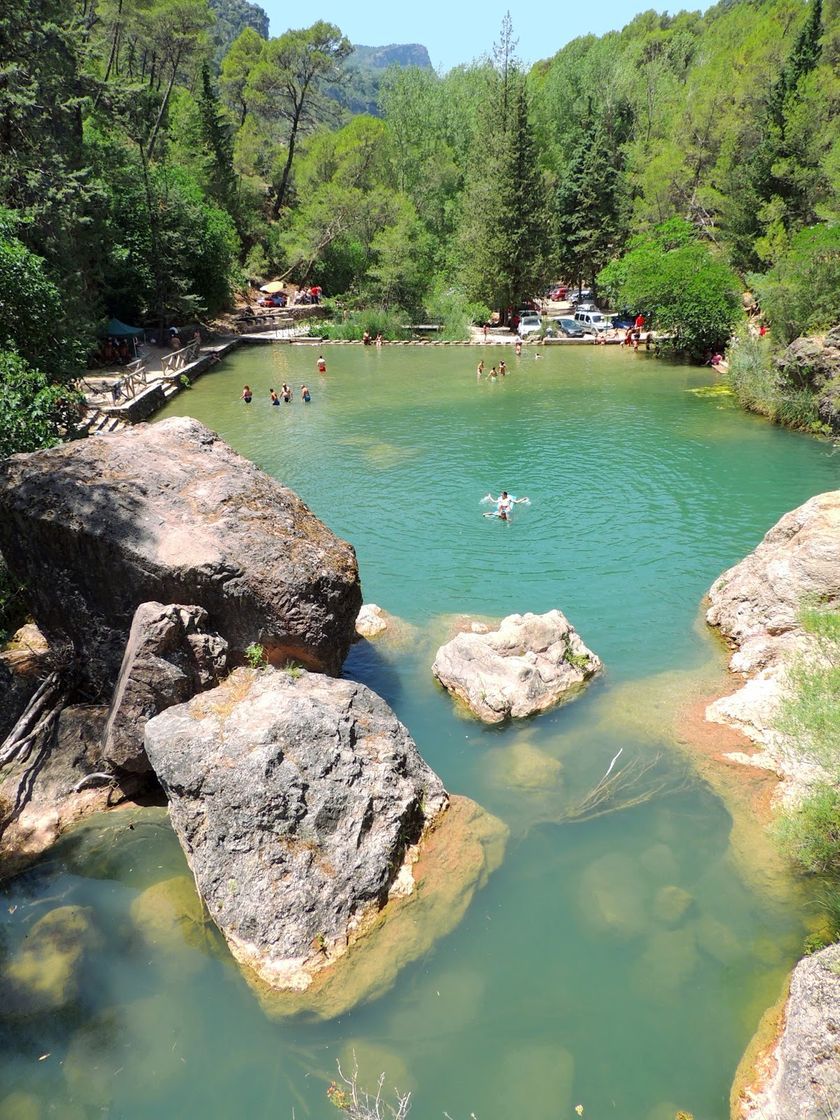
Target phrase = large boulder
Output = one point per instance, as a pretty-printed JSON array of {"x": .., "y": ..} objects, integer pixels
[
  {"x": 44, "y": 975},
  {"x": 169, "y": 513},
  {"x": 530, "y": 663},
  {"x": 801, "y": 1075},
  {"x": 170, "y": 656},
  {"x": 798, "y": 560},
  {"x": 300, "y": 802}
]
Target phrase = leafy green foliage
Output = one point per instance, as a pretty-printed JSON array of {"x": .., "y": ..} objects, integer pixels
[
  {"x": 801, "y": 293},
  {"x": 34, "y": 412},
  {"x": 255, "y": 656},
  {"x": 679, "y": 282},
  {"x": 810, "y": 834}
]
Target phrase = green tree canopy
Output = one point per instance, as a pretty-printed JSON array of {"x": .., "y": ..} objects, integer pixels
[{"x": 682, "y": 286}]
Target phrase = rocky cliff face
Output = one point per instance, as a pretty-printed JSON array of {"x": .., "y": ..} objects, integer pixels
[
  {"x": 299, "y": 803},
  {"x": 168, "y": 512},
  {"x": 756, "y": 605},
  {"x": 814, "y": 364}
]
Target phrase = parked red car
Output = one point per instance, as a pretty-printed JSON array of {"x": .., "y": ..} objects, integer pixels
[{"x": 278, "y": 300}]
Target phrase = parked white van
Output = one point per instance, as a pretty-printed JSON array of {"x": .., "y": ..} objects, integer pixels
[{"x": 593, "y": 322}]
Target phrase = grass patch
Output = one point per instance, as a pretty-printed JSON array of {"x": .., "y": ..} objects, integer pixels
[{"x": 759, "y": 388}]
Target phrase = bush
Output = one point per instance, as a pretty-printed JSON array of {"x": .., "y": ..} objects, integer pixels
[
  {"x": 759, "y": 388},
  {"x": 810, "y": 834},
  {"x": 686, "y": 290},
  {"x": 389, "y": 321},
  {"x": 811, "y": 712},
  {"x": 801, "y": 293},
  {"x": 455, "y": 312}
]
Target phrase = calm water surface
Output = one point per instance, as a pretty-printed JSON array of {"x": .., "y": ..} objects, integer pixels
[{"x": 620, "y": 963}]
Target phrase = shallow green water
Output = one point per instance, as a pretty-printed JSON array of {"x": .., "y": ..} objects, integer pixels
[{"x": 570, "y": 980}]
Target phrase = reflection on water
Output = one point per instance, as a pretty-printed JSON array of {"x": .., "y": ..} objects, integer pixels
[{"x": 620, "y": 962}]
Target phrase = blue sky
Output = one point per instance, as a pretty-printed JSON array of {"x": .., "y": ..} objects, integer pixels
[{"x": 461, "y": 30}]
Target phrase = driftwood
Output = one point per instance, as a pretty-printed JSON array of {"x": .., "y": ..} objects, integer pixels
[
  {"x": 37, "y": 719},
  {"x": 359, "y": 1105}
]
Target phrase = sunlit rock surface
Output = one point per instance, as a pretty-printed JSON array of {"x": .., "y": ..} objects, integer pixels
[
  {"x": 302, "y": 805},
  {"x": 757, "y": 605},
  {"x": 530, "y": 663},
  {"x": 800, "y": 1075}
]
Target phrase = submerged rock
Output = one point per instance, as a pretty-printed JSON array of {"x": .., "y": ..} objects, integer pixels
[
  {"x": 299, "y": 802},
  {"x": 801, "y": 1076},
  {"x": 371, "y": 621},
  {"x": 43, "y": 976},
  {"x": 169, "y": 513},
  {"x": 530, "y": 663},
  {"x": 169, "y": 657}
]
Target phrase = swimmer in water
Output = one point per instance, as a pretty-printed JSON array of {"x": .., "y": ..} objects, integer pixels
[
  {"x": 502, "y": 368},
  {"x": 305, "y": 395},
  {"x": 321, "y": 364},
  {"x": 493, "y": 375},
  {"x": 506, "y": 501},
  {"x": 479, "y": 370},
  {"x": 286, "y": 394},
  {"x": 247, "y": 395},
  {"x": 502, "y": 514},
  {"x": 274, "y": 398}
]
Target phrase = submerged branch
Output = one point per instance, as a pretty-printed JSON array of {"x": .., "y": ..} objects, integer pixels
[{"x": 625, "y": 788}]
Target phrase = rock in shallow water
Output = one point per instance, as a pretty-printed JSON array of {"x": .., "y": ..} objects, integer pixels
[
  {"x": 299, "y": 802},
  {"x": 530, "y": 663},
  {"x": 168, "y": 512}
]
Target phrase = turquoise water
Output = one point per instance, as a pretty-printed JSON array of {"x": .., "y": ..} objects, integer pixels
[{"x": 620, "y": 963}]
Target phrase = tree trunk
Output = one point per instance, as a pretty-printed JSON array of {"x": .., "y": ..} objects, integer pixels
[
  {"x": 287, "y": 170},
  {"x": 163, "y": 105}
]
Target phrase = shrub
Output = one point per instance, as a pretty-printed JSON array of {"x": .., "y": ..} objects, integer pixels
[
  {"x": 801, "y": 293},
  {"x": 811, "y": 712},
  {"x": 810, "y": 834},
  {"x": 255, "y": 656},
  {"x": 390, "y": 322}
]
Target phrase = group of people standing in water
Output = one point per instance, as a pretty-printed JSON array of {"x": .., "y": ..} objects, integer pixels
[{"x": 285, "y": 396}]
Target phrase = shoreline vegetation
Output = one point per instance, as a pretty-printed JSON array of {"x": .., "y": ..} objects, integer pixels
[{"x": 198, "y": 160}]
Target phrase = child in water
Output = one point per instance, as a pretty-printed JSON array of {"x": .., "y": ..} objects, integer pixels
[
  {"x": 305, "y": 395},
  {"x": 247, "y": 395}
]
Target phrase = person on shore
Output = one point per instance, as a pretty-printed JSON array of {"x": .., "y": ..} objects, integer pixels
[
  {"x": 379, "y": 340},
  {"x": 502, "y": 368},
  {"x": 286, "y": 393},
  {"x": 274, "y": 398},
  {"x": 640, "y": 322},
  {"x": 479, "y": 370},
  {"x": 485, "y": 333},
  {"x": 247, "y": 395},
  {"x": 305, "y": 395},
  {"x": 321, "y": 364}
]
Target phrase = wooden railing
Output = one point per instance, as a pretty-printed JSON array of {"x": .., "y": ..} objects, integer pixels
[
  {"x": 133, "y": 379},
  {"x": 179, "y": 358}
]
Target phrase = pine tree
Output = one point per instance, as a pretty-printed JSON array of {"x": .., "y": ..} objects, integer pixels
[
  {"x": 503, "y": 230},
  {"x": 216, "y": 133}
]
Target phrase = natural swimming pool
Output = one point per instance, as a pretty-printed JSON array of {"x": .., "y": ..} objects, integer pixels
[{"x": 621, "y": 963}]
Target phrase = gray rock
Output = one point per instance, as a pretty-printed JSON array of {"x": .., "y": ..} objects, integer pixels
[
  {"x": 805, "y": 1083},
  {"x": 169, "y": 657},
  {"x": 169, "y": 513},
  {"x": 299, "y": 802},
  {"x": 810, "y": 363},
  {"x": 530, "y": 663}
]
